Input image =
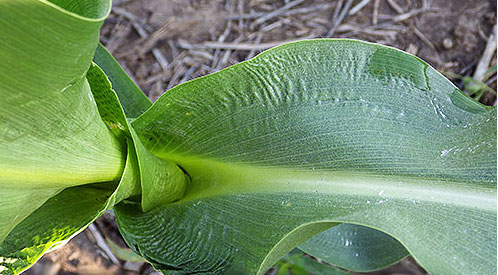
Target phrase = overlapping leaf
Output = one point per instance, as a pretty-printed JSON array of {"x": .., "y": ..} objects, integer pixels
[
  {"x": 51, "y": 135},
  {"x": 60, "y": 165}
]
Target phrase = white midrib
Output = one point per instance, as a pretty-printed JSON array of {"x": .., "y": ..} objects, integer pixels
[{"x": 213, "y": 178}]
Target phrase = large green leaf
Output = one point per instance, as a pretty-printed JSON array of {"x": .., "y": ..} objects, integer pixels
[
  {"x": 75, "y": 208},
  {"x": 51, "y": 133},
  {"x": 66, "y": 214},
  {"x": 312, "y": 134},
  {"x": 60, "y": 163}
]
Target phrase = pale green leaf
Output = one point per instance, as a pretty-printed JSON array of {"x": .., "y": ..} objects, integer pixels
[
  {"x": 65, "y": 215},
  {"x": 51, "y": 133},
  {"x": 17, "y": 203},
  {"x": 123, "y": 253},
  {"x": 312, "y": 134}
]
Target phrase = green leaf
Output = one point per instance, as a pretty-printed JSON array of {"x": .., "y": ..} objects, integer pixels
[
  {"x": 122, "y": 253},
  {"x": 18, "y": 203},
  {"x": 63, "y": 216},
  {"x": 58, "y": 220},
  {"x": 312, "y": 134},
  {"x": 355, "y": 247},
  {"x": 51, "y": 136},
  {"x": 297, "y": 263},
  {"x": 132, "y": 99},
  {"x": 55, "y": 136},
  {"x": 161, "y": 180},
  {"x": 71, "y": 211}
]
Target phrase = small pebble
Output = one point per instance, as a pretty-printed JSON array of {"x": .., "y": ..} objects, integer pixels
[
  {"x": 448, "y": 43},
  {"x": 412, "y": 49}
]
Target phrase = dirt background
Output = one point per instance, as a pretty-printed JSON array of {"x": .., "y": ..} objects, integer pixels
[{"x": 162, "y": 43}]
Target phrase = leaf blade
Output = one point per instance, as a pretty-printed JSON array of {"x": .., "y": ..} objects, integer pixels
[
  {"x": 340, "y": 122},
  {"x": 52, "y": 136},
  {"x": 132, "y": 99},
  {"x": 356, "y": 248}
]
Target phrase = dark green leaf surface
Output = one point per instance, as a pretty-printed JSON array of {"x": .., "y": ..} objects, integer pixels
[
  {"x": 312, "y": 134},
  {"x": 355, "y": 247}
]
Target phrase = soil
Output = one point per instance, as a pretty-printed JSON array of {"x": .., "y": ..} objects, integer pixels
[{"x": 162, "y": 43}]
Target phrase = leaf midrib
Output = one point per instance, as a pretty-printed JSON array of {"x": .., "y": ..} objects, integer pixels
[{"x": 211, "y": 178}]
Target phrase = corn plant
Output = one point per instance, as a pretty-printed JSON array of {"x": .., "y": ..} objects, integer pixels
[{"x": 357, "y": 153}]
